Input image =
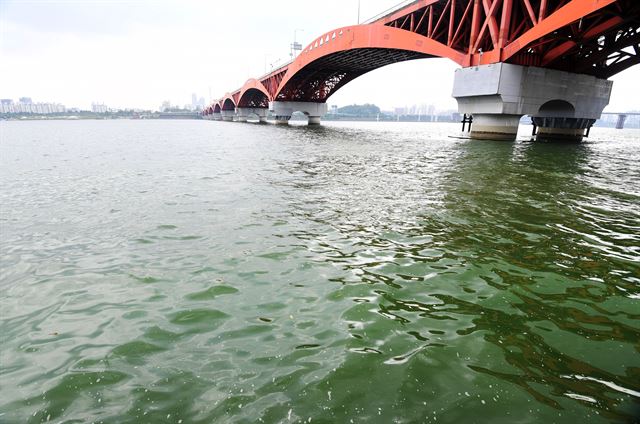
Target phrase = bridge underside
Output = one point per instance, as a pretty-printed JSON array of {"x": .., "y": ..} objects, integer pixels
[
  {"x": 254, "y": 99},
  {"x": 562, "y": 105},
  {"x": 593, "y": 37},
  {"x": 328, "y": 74}
]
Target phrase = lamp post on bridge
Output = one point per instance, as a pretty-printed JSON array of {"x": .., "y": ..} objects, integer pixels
[
  {"x": 266, "y": 56},
  {"x": 271, "y": 65},
  {"x": 295, "y": 47}
]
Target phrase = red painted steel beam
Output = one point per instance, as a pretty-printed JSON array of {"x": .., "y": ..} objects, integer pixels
[
  {"x": 530, "y": 11},
  {"x": 543, "y": 10},
  {"x": 475, "y": 26},
  {"x": 424, "y": 14},
  {"x": 571, "y": 12},
  {"x": 505, "y": 23},
  {"x": 393, "y": 16},
  {"x": 603, "y": 27},
  {"x": 368, "y": 37},
  {"x": 558, "y": 52},
  {"x": 442, "y": 16},
  {"x": 462, "y": 24},
  {"x": 490, "y": 21},
  {"x": 452, "y": 20},
  {"x": 250, "y": 89},
  {"x": 227, "y": 102}
]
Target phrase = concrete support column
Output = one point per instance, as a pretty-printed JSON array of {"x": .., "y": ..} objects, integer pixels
[
  {"x": 217, "y": 116},
  {"x": 282, "y": 119},
  {"x": 241, "y": 115},
  {"x": 227, "y": 115},
  {"x": 250, "y": 112},
  {"x": 495, "y": 127},
  {"x": 562, "y": 105},
  {"x": 282, "y": 110},
  {"x": 561, "y": 129}
]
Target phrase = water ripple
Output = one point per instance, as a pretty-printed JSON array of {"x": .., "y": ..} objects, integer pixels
[{"x": 370, "y": 272}]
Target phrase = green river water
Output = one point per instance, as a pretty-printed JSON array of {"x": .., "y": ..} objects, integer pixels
[{"x": 209, "y": 272}]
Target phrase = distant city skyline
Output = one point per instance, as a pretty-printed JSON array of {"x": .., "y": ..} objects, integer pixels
[
  {"x": 28, "y": 105},
  {"x": 25, "y": 104},
  {"x": 140, "y": 53}
]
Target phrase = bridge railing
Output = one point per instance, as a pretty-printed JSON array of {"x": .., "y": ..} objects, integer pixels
[
  {"x": 389, "y": 11},
  {"x": 275, "y": 69}
]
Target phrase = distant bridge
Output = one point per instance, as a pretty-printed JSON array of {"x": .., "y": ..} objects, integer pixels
[
  {"x": 622, "y": 117},
  {"x": 546, "y": 58}
]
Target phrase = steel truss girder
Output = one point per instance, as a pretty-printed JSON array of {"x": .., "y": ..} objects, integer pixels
[
  {"x": 594, "y": 37},
  {"x": 548, "y": 33}
]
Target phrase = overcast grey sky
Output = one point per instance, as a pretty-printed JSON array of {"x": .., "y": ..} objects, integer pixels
[{"x": 138, "y": 53}]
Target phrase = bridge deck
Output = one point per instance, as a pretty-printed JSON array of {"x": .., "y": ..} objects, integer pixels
[{"x": 599, "y": 38}]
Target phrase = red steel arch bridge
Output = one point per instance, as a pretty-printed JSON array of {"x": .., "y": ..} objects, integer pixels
[{"x": 550, "y": 59}]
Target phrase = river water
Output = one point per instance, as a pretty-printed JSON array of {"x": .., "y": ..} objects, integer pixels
[{"x": 210, "y": 272}]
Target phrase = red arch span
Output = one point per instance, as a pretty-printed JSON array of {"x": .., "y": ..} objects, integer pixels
[
  {"x": 227, "y": 102},
  {"x": 559, "y": 34},
  {"x": 253, "y": 94},
  {"x": 342, "y": 55}
]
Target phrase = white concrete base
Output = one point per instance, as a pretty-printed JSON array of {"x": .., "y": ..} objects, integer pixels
[
  {"x": 514, "y": 90},
  {"x": 508, "y": 89},
  {"x": 241, "y": 118},
  {"x": 217, "y": 116},
  {"x": 227, "y": 115},
  {"x": 561, "y": 129},
  {"x": 495, "y": 127},
  {"x": 282, "y": 120},
  {"x": 560, "y": 134},
  {"x": 314, "y": 111},
  {"x": 252, "y": 113}
]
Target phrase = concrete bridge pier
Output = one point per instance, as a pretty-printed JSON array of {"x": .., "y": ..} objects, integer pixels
[
  {"x": 562, "y": 105},
  {"x": 494, "y": 126},
  {"x": 227, "y": 115},
  {"x": 282, "y": 119},
  {"x": 561, "y": 129},
  {"x": 217, "y": 116},
  {"x": 284, "y": 110},
  {"x": 246, "y": 113}
]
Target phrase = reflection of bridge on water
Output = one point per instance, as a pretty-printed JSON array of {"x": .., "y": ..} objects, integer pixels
[
  {"x": 622, "y": 117},
  {"x": 549, "y": 59}
]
